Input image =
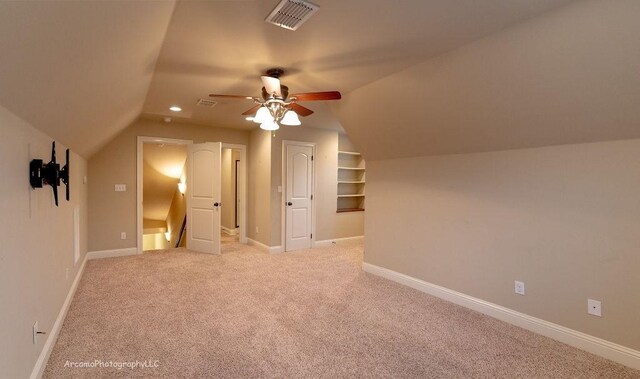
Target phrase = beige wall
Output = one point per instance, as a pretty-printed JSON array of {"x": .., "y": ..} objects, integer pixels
[
  {"x": 258, "y": 212},
  {"x": 329, "y": 224},
  {"x": 115, "y": 212},
  {"x": 563, "y": 219},
  {"x": 37, "y": 243}
]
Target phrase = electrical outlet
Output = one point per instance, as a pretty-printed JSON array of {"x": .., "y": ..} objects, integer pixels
[
  {"x": 35, "y": 332},
  {"x": 257, "y": 230},
  {"x": 594, "y": 307},
  {"x": 519, "y": 287},
  {"x": 123, "y": 235}
]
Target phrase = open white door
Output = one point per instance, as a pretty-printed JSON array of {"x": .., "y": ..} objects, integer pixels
[
  {"x": 203, "y": 197},
  {"x": 298, "y": 196}
]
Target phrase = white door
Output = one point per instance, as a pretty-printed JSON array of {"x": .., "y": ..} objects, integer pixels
[
  {"x": 203, "y": 197},
  {"x": 298, "y": 196}
]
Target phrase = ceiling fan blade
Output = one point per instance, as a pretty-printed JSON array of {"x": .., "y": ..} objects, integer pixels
[
  {"x": 271, "y": 85},
  {"x": 300, "y": 110},
  {"x": 232, "y": 96},
  {"x": 252, "y": 111},
  {"x": 315, "y": 96}
]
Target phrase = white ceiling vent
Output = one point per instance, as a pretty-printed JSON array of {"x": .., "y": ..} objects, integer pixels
[
  {"x": 290, "y": 14},
  {"x": 206, "y": 103}
]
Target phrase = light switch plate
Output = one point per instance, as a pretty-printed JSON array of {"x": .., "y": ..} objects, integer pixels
[{"x": 121, "y": 187}]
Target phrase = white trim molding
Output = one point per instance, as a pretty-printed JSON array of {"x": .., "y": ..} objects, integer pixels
[
  {"x": 111, "y": 253},
  {"x": 595, "y": 345},
  {"x": 337, "y": 241},
  {"x": 52, "y": 337},
  {"x": 262, "y": 247}
]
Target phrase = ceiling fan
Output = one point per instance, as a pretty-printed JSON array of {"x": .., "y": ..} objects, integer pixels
[{"x": 276, "y": 105}]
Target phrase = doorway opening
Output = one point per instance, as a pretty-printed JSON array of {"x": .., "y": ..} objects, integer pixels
[
  {"x": 163, "y": 203},
  {"x": 230, "y": 223},
  {"x": 233, "y": 178},
  {"x": 174, "y": 234}
]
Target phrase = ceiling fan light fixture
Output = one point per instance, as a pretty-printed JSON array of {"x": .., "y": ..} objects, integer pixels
[
  {"x": 290, "y": 118},
  {"x": 262, "y": 115},
  {"x": 269, "y": 125}
]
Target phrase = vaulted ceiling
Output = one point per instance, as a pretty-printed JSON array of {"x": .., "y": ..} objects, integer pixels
[{"x": 83, "y": 71}]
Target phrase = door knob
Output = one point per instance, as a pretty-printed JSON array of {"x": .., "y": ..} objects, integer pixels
[
  {"x": 289, "y": 203},
  {"x": 217, "y": 204}
]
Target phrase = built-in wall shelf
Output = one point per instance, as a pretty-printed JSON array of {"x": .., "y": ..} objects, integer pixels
[{"x": 351, "y": 180}]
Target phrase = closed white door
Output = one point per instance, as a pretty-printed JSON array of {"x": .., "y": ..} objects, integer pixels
[
  {"x": 298, "y": 197},
  {"x": 203, "y": 197}
]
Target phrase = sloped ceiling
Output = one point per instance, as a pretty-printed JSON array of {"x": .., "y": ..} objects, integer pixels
[
  {"x": 571, "y": 76},
  {"x": 224, "y": 46},
  {"x": 79, "y": 71},
  {"x": 82, "y": 71}
]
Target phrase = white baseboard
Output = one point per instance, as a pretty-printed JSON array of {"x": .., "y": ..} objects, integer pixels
[
  {"x": 52, "y": 337},
  {"x": 595, "y": 345},
  {"x": 112, "y": 253},
  {"x": 263, "y": 247},
  {"x": 231, "y": 232},
  {"x": 337, "y": 241}
]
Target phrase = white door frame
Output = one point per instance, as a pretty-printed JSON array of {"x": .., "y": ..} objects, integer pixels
[
  {"x": 242, "y": 189},
  {"x": 139, "y": 178},
  {"x": 283, "y": 209}
]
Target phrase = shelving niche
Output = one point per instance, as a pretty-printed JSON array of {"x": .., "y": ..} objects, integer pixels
[{"x": 351, "y": 180}]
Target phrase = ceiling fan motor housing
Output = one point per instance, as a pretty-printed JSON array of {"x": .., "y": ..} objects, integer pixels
[
  {"x": 275, "y": 72},
  {"x": 284, "y": 90}
]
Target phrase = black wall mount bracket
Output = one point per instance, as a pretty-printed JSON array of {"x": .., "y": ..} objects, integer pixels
[{"x": 51, "y": 174}]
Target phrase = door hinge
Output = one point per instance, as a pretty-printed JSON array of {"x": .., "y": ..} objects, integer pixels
[
  {"x": 311, "y": 197},
  {"x": 311, "y": 235},
  {"x": 312, "y": 157}
]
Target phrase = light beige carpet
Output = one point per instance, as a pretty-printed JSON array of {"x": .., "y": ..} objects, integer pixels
[{"x": 308, "y": 314}]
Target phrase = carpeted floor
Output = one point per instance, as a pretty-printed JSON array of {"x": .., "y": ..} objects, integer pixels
[{"x": 308, "y": 314}]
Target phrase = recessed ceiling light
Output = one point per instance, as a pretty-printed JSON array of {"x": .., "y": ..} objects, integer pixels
[
  {"x": 250, "y": 118},
  {"x": 175, "y": 108}
]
